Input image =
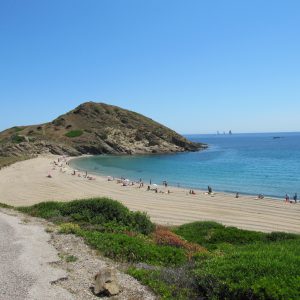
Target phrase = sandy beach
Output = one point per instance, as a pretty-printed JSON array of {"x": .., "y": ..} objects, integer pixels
[{"x": 26, "y": 183}]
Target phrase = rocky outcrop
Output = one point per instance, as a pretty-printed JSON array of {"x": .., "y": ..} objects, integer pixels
[{"x": 94, "y": 128}]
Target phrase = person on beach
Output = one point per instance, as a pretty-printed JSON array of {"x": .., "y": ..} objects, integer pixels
[
  {"x": 209, "y": 189},
  {"x": 295, "y": 197},
  {"x": 287, "y": 198},
  {"x": 237, "y": 195},
  {"x": 260, "y": 196}
]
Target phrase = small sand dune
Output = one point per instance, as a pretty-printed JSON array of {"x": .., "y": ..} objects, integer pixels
[{"x": 26, "y": 183}]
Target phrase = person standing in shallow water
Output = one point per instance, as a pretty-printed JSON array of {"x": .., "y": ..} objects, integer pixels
[
  {"x": 295, "y": 197},
  {"x": 287, "y": 198}
]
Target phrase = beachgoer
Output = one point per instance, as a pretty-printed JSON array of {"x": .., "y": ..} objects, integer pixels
[
  {"x": 237, "y": 195},
  {"x": 148, "y": 188},
  {"x": 287, "y": 198},
  {"x": 295, "y": 197},
  {"x": 156, "y": 190},
  {"x": 209, "y": 189}
]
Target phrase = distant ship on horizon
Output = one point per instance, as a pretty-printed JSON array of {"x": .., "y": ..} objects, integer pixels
[{"x": 229, "y": 132}]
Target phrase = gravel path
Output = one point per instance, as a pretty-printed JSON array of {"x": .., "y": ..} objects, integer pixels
[
  {"x": 34, "y": 264},
  {"x": 25, "y": 273}
]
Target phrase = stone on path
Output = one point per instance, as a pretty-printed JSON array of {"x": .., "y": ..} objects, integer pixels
[{"x": 106, "y": 282}]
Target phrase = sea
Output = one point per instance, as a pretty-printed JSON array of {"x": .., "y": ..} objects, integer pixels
[{"x": 254, "y": 163}]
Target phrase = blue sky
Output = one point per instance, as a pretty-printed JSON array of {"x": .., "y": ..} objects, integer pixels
[{"x": 195, "y": 66}]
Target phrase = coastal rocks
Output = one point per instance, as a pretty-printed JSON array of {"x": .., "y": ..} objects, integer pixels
[
  {"x": 34, "y": 148},
  {"x": 106, "y": 282}
]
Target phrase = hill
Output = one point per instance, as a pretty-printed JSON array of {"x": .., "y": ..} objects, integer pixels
[{"x": 94, "y": 128}]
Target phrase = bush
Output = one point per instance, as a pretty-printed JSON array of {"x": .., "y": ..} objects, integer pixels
[
  {"x": 212, "y": 234},
  {"x": 3, "y": 205},
  {"x": 68, "y": 228},
  {"x": 45, "y": 210},
  {"x": 280, "y": 236},
  {"x": 133, "y": 249},
  {"x": 163, "y": 236},
  {"x": 74, "y": 133},
  {"x": 257, "y": 271},
  {"x": 17, "y": 139},
  {"x": 98, "y": 211},
  {"x": 168, "y": 283}
]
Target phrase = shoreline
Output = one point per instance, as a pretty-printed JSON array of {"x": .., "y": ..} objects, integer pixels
[
  {"x": 181, "y": 187},
  {"x": 26, "y": 183}
]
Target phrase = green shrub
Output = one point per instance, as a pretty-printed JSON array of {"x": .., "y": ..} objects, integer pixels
[
  {"x": 74, "y": 133},
  {"x": 256, "y": 271},
  {"x": 17, "y": 139},
  {"x": 280, "y": 236},
  {"x": 98, "y": 211},
  {"x": 133, "y": 248},
  {"x": 212, "y": 234},
  {"x": 68, "y": 228},
  {"x": 44, "y": 210},
  {"x": 167, "y": 283},
  {"x": 3, "y": 205}
]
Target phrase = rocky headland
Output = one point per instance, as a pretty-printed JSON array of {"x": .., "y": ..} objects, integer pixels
[{"x": 94, "y": 128}]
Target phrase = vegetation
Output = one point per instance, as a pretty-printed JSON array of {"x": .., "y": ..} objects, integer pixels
[
  {"x": 94, "y": 214},
  {"x": 200, "y": 260},
  {"x": 3, "y": 205},
  {"x": 212, "y": 235},
  {"x": 256, "y": 271},
  {"x": 17, "y": 139},
  {"x": 71, "y": 258},
  {"x": 17, "y": 129},
  {"x": 6, "y": 161},
  {"x": 111, "y": 228},
  {"x": 74, "y": 133},
  {"x": 169, "y": 284}
]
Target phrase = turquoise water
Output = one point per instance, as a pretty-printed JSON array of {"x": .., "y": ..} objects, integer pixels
[{"x": 245, "y": 163}]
